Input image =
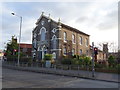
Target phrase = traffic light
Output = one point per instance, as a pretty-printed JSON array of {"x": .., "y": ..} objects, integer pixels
[
  {"x": 15, "y": 50},
  {"x": 95, "y": 51}
]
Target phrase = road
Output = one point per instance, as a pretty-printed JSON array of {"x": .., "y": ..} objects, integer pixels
[{"x": 24, "y": 79}]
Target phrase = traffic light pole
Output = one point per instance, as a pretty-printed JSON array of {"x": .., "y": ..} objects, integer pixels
[{"x": 93, "y": 70}]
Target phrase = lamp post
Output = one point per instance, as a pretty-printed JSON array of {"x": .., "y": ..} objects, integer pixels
[{"x": 19, "y": 37}]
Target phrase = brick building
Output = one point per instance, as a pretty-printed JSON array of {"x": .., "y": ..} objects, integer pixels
[
  {"x": 26, "y": 49},
  {"x": 56, "y": 38}
]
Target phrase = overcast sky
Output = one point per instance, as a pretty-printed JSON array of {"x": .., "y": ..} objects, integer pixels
[{"x": 98, "y": 19}]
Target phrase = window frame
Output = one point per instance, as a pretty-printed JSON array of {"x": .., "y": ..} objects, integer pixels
[
  {"x": 81, "y": 40},
  {"x": 65, "y": 36},
  {"x": 73, "y": 38}
]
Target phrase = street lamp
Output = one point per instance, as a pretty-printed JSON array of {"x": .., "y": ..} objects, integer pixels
[{"x": 19, "y": 36}]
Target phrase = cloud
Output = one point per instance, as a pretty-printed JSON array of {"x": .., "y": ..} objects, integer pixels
[
  {"x": 110, "y": 21},
  {"x": 89, "y": 17}
]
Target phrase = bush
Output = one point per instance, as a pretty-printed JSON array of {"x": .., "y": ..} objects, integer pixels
[
  {"x": 86, "y": 60},
  {"x": 74, "y": 61},
  {"x": 48, "y": 57},
  {"x": 97, "y": 65},
  {"x": 111, "y": 60},
  {"x": 118, "y": 67},
  {"x": 67, "y": 61}
]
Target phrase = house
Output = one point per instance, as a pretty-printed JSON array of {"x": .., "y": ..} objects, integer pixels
[
  {"x": 26, "y": 49},
  {"x": 58, "y": 39}
]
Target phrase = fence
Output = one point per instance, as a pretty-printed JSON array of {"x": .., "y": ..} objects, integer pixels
[{"x": 60, "y": 66}]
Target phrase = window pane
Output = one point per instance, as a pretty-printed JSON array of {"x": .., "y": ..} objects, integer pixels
[
  {"x": 80, "y": 51},
  {"x": 65, "y": 36},
  {"x": 80, "y": 40},
  {"x": 42, "y": 35},
  {"x": 73, "y": 38},
  {"x": 54, "y": 42},
  {"x": 86, "y": 42}
]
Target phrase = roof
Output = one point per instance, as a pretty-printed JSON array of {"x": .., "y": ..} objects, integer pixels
[
  {"x": 63, "y": 25},
  {"x": 22, "y": 45},
  {"x": 74, "y": 29}
]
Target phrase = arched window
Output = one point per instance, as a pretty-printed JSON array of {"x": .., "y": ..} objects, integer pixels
[
  {"x": 73, "y": 38},
  {"x": 42, "y": 33},
  {"x": 65, "y": 36},
  {"x": 54, "y": 38}
]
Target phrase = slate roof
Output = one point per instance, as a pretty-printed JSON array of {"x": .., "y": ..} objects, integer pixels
[{"x": 63, "y": 25}]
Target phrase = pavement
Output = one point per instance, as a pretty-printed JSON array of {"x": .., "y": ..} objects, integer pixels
[{"x": 109, "y": 77}]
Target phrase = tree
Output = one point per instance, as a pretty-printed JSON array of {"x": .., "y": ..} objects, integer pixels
[
  {"x": 12, "y": 48},
  {"x": 111, "y": 60}
]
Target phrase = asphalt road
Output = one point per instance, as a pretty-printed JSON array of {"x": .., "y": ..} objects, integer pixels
[{"x": 24, "y": 79}]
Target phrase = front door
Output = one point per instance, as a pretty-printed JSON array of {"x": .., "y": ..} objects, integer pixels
[{"x": 43, "y": 52}]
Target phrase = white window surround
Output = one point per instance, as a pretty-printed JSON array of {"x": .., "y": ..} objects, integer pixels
[
  {"x": 38, "y": 49},
  {"x": 43, "y": 28},
  {"x": 86, "y": 42},
  {"x": 55, "y": 49},
  {"x": 81, "y": 40},
  {"x": 54, "y": 37},
  {"x": 54, "y": 30},
  {"x": 65, "y": 36},
  {"x": 42, "y": 34},
  {"x": 73, "y": 38},
  {"x": 54, "y": 42},
  {"x": 41, "y": 48}
]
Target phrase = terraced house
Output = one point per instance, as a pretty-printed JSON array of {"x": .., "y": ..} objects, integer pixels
[{"x": 58, "y": 39}]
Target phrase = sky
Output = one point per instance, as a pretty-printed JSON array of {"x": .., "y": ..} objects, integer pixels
[{"x": 99, "y": 19}]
